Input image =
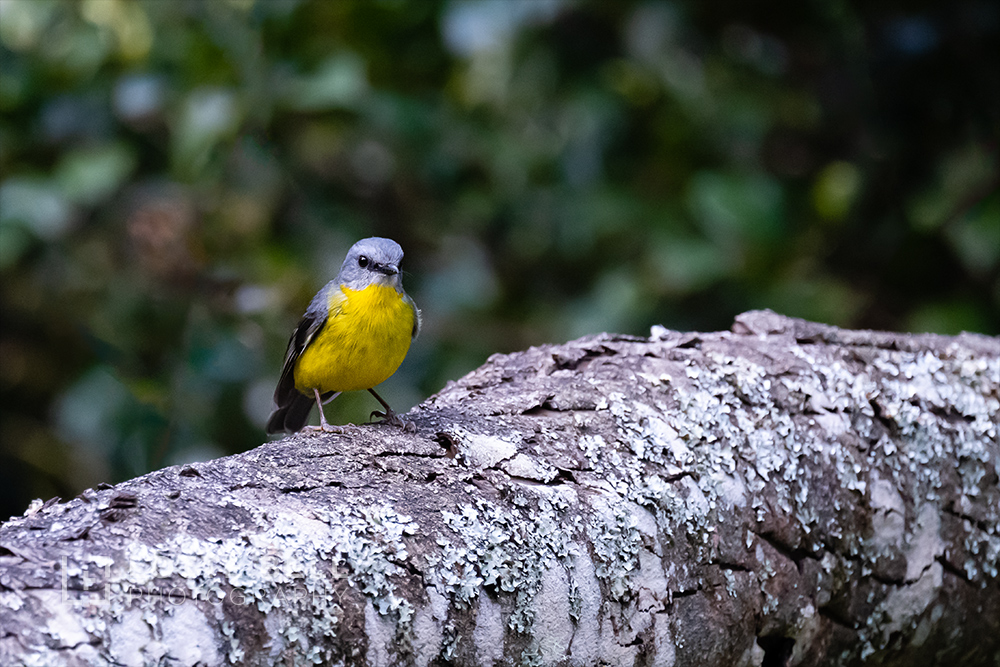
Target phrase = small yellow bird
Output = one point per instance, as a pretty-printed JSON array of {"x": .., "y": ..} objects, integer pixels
[{"x": 354, "y": 335}]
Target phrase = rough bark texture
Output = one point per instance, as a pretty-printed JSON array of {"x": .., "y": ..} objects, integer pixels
[{"x": 783, "y": 494}]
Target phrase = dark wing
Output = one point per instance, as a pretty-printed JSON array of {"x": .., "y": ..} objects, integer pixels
[
  {"x": 291, "y": 407},
  {"x": 308, "y": 327}
]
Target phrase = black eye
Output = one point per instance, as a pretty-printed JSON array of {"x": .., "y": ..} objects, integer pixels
[{"x": 363, "y": 262}]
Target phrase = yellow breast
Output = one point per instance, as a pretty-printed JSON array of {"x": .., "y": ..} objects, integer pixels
[{"x": 365, "y": 339}]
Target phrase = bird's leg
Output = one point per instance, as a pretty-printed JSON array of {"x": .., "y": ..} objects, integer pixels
[
  {"x": 387, "y": 417},
  {"x": 322, "y": 417},
  {"x": 390, "y": 416}
]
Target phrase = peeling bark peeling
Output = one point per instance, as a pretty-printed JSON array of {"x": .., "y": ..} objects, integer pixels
[{"x": 787, "y": 493}]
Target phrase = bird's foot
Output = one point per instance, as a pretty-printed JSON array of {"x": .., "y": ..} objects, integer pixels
[{"x": 392, "y": 419}]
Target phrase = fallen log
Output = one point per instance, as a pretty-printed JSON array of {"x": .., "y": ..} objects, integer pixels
[{"x": 787, "y": 493}]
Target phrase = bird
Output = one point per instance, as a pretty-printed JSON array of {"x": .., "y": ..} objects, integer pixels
[{"x": 353, "y": 336}]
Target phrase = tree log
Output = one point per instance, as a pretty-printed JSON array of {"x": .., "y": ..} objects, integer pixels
[{"x": 786, "y": 493}]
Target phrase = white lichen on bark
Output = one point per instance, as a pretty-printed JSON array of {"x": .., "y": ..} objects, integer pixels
[{"x": 783, "y": 492}]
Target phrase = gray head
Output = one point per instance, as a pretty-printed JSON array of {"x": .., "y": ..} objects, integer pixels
[{"x": 371, "y": 260}]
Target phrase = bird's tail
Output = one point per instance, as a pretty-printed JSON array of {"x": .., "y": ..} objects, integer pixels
[{"x": 292, "y": 416}]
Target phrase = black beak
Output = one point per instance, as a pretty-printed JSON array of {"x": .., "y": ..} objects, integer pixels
[{"x": 387, "y": 269}]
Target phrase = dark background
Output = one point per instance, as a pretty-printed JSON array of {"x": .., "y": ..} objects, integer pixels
[{"x": 180, "y": 177}]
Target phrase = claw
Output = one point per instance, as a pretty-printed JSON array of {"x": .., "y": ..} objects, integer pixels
[
  {"x": 392, "y": 419},
  {"x": 389, "y": 416}
]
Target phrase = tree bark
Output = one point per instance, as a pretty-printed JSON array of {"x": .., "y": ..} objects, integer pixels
[{"x": 786, "y": 493}]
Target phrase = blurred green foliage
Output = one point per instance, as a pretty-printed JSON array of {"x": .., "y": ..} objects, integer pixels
[{"x": 179, "y": 177}]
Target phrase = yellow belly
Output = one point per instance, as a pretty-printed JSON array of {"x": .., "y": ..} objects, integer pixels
[{"x": 361, "y": 346}]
